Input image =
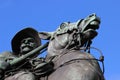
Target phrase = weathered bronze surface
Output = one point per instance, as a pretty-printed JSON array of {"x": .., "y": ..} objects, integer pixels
[{"x": 68, "y": 53}]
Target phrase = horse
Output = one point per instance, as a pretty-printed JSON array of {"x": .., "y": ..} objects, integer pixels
[{"x": 68, "y": 47}]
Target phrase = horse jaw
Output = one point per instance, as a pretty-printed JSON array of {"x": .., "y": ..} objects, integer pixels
[{"x": 89, "y": 26}]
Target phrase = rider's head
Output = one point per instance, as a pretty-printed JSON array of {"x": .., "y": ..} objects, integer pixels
[{"x": 25, "y": 41}]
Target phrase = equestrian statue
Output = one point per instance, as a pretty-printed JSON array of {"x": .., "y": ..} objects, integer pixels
[{"x": 68, "y": 55}]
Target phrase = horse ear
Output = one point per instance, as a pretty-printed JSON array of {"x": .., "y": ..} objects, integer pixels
[{"x": 45, "y": 35}]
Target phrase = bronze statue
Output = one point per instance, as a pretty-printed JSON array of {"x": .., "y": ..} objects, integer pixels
[
  {"x": 68, "y": 53},
  {"x": 68, "y": 47},
  {"x": 22, "y": 63}
]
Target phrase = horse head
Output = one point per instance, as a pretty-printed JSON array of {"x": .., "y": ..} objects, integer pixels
[{"x": 85, "y": 29}]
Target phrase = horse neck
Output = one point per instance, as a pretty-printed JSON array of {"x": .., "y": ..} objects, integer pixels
[{"x": 58, "y": 44}]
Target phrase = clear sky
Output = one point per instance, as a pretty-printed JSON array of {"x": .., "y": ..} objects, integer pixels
[{"x": 46, "y": 15}]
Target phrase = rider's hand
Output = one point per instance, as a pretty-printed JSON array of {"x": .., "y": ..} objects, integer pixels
[
  {"x": 43, "y": 68},
  {"x": 4, "y": 65}
]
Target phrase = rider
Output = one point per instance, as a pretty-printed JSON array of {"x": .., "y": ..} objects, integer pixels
[{"x": 23, "y": 42}]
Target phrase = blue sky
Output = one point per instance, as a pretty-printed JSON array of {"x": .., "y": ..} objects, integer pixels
[{"x": 46, "y": 15}]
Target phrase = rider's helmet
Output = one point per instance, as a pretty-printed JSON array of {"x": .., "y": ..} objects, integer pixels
[{"x": 27, "y": 32}]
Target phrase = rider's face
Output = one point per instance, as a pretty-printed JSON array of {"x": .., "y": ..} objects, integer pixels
[{"x": 27, "y": 45}]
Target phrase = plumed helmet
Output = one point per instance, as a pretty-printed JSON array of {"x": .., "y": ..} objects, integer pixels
[{"x": 24, "y": 33}]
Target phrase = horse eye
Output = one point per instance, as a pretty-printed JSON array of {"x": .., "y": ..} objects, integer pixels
[{"x": 63, "y": 25}]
